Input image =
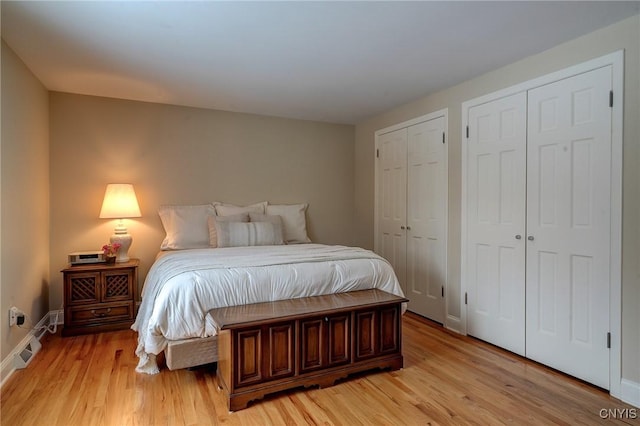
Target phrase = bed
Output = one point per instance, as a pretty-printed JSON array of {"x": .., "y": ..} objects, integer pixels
[
  {"x": 182, "y": 286},
  {"x": 222, "y": 255}
]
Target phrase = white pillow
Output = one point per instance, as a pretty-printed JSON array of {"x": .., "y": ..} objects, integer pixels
[
  {"x": 238, "y": 234},
  {"x": 230, "y": 209},
  {"x": 294, "y": 223},
  {"x": 211, "y": 221},
  {"x": 186, "y": 227}
]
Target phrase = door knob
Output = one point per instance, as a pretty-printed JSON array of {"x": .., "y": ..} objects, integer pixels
[
  {"x": 530, "y": 238},
  {"x": 518, "y": 237},
  {"x": 402, "y": 227},
  {"x": 408, "y": 228}
]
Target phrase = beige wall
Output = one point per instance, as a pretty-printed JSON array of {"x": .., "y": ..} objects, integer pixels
[
  {"x": 24, "y": 198},
  {"x": 181, "y": 155},
  {"x": 623, "y": 35}
]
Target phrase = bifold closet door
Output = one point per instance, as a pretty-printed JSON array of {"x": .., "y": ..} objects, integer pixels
[
  {"x": 426, "y": 222},
  {"x": 411, "y": 202},
  {"x": 568, "y": 225},
  {"x": 392, "y": 201},
  {"x": 496, "y": 199}
]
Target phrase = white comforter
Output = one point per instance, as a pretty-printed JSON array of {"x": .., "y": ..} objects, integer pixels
[{"x": 182, "y": 286}]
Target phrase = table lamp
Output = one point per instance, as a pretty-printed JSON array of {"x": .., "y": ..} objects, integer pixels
[{"x": 120, "y": 202}]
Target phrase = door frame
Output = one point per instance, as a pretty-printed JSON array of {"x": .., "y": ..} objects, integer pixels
[
  {"x": 616, "y": 61},
  {"x": 442, "y": 113}
]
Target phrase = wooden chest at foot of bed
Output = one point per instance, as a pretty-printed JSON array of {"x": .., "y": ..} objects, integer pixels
[{"x": 273, "y": 346}]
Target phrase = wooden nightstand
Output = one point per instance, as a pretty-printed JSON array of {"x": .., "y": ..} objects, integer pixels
[{"x": 99, "y": 297}]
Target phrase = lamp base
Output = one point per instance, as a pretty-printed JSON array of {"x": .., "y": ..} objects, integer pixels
[{"x": 125, "y": 241}]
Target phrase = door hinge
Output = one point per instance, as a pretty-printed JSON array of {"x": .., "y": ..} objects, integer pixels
[
  {"x": 442, "y": 137},
  {"x": 442, "y": 289},
  {"x": 467, "y": 131},
  {"x": 377, "y": 153},
  {"x": 465, "y": 298},
  {"x": 611, "y": 98},
  {"x": 609, "y": 340}
]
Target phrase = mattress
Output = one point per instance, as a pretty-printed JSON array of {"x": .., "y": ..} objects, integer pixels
[{"x": 183, "y": 285}]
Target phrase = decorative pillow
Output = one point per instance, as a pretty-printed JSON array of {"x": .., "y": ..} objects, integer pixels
[
  {"x": 186, "y": 226},
  {"x": 275, "y": 219},
  {"x": 230, "y": 209},
  {"x": 211, "y": 221},
  {"x": 294, "y": 223},
  {"x": 238, "y": 234}
]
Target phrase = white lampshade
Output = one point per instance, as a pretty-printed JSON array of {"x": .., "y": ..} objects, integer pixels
[{"x": 120, "y": 202}]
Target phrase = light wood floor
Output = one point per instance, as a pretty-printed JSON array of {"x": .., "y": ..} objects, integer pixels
[{"x": 447, "y": 379}]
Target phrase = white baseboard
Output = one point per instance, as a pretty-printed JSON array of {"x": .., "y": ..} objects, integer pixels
[
  {"x": 454, "y": 324},
  {"x": 28, "y": 346},
  {"x": 630, "y": 392}
]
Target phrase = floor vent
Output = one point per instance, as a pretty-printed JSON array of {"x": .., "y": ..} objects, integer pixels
[{"x": 24, "y": 357}]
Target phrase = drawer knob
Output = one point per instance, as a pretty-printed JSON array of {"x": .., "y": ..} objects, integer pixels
[{"x": 100, "y": 314}]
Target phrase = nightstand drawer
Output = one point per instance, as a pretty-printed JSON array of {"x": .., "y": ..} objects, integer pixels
[{"x": 101, "y": 313}]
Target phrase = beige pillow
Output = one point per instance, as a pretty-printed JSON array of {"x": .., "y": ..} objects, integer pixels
[
  {"x": 185, "y": 226},
  {"x": 294, "y": 223},
  {"x": 238, "y": 234},
  {"x": 230, "y": 209},
  {"x": 212, "y": 220}
]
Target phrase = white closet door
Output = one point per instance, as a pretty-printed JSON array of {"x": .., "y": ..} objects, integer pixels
[
  {"x": 426, "y": 230},
  {"x": 393, "y": 201},
  {"x": 496, "y": 161},
  {"x": 568, "y": 220}
]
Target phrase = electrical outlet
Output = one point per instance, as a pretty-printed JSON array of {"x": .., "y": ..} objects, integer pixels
[{"x": 13, "y": 315}]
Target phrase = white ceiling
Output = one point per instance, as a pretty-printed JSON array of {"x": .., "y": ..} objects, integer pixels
[{"x": 327, "y": 61}]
